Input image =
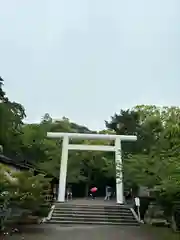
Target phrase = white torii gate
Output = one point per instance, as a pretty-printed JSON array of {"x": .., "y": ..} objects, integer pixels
[{"x": 66, "y": 146}]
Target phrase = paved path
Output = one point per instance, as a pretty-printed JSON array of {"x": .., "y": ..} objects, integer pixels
[{"x": 56, "y": 232}]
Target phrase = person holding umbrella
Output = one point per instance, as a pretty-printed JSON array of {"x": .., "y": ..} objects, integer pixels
[{"x": 93, "y": 191}]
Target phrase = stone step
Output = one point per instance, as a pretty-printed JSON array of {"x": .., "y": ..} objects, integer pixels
[
  {"x": 90, "y": 206},
  {"x": 89, "y": 214},
  {"x": 82, "y": 222},
  {"x": 93, "y": 209},
  {"x": 92, "y": 217},
  {"x": 93, "y": 214}
]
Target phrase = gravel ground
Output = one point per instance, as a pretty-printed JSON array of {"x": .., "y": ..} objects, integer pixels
[{"x": 56, "y": 232}]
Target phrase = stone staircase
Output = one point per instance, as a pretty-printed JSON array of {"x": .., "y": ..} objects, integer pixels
[{"x": 66, "y": 213}]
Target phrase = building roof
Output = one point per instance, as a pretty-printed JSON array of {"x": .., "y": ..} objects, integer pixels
[
  {"x": 20, "y": 166},
  {"x": 9, "y": 161}
]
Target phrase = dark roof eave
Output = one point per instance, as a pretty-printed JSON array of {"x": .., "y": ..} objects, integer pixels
[{"x": 8, "y": 161}]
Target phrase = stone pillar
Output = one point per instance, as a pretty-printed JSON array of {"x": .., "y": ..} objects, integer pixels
[
  {"x": 119, "y": 175},
  {"x": 63, "y": 170}
]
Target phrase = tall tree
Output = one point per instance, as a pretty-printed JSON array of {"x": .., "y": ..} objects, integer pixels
[
  {"x": 126, "y": 123},
  {"x": 12, "y": 115}
]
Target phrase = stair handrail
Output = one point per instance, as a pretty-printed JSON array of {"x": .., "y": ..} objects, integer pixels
[
  {"x": 50, "y": 213},
  {"x": 48, "y": 218},
  {"x": 136, "y": 216}
]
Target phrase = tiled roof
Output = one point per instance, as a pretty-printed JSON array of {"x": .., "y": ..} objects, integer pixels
[
  {"x": 9, "y": 161},
  {"x": 21, "y": 166}
]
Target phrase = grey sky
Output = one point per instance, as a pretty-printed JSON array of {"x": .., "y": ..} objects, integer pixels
[{"x": 87, "y": 59}]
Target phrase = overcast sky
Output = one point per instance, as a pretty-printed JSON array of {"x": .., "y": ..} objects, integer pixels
[{"x": 87, "y": 59}]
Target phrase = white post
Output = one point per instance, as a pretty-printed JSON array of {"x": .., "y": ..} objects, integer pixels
[
  {"x": 63, "y": 170},
  {"x": 119, "y": 175}
]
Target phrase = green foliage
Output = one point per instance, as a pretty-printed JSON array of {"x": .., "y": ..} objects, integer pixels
[
  {"x": 12, "y": 114},
  {"x": 30, "y": 193},
  {"x": 22, "y": 193},
  {"x": 155, "y": 162},
  {"x": 152, "y": 161}
]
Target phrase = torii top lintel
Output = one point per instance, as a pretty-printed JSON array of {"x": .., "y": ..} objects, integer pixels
[{"x": 91, "y": 136}]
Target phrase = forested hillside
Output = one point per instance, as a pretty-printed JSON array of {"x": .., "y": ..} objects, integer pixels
[{"x": 153, "y": 161}]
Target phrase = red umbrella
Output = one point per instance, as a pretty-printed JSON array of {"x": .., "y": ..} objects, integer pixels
[{"x": 94, "y": 189}]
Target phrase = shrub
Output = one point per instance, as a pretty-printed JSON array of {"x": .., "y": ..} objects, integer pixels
[{"x": 22, "y": 194}]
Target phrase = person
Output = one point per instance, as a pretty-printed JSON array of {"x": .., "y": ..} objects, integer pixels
[
  {"x": 137, "y": 206},
  {"x": 69, "y": 194},
  {"x": 108, "y": 193},
  {"x": 129, "y": 196},
  {"x": 93, "y": 192}
]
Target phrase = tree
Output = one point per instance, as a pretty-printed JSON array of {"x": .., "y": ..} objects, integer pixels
[
  {"x": 152, "y": 161},
  {"x": 10, "y": 123},
  {"x": 51, "y": 148},
  {"x": 46, "y": 118},
  {"x": 126, "y": 123},
  {"x": 19, "y": 200},
  {"x": 30, "y": 195},
  {"x": 157, "y": 148},
  {"x": 91, "y": 166},
  {"x": 2, "y": 93},
  {"x": 157, "y": 166}
]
